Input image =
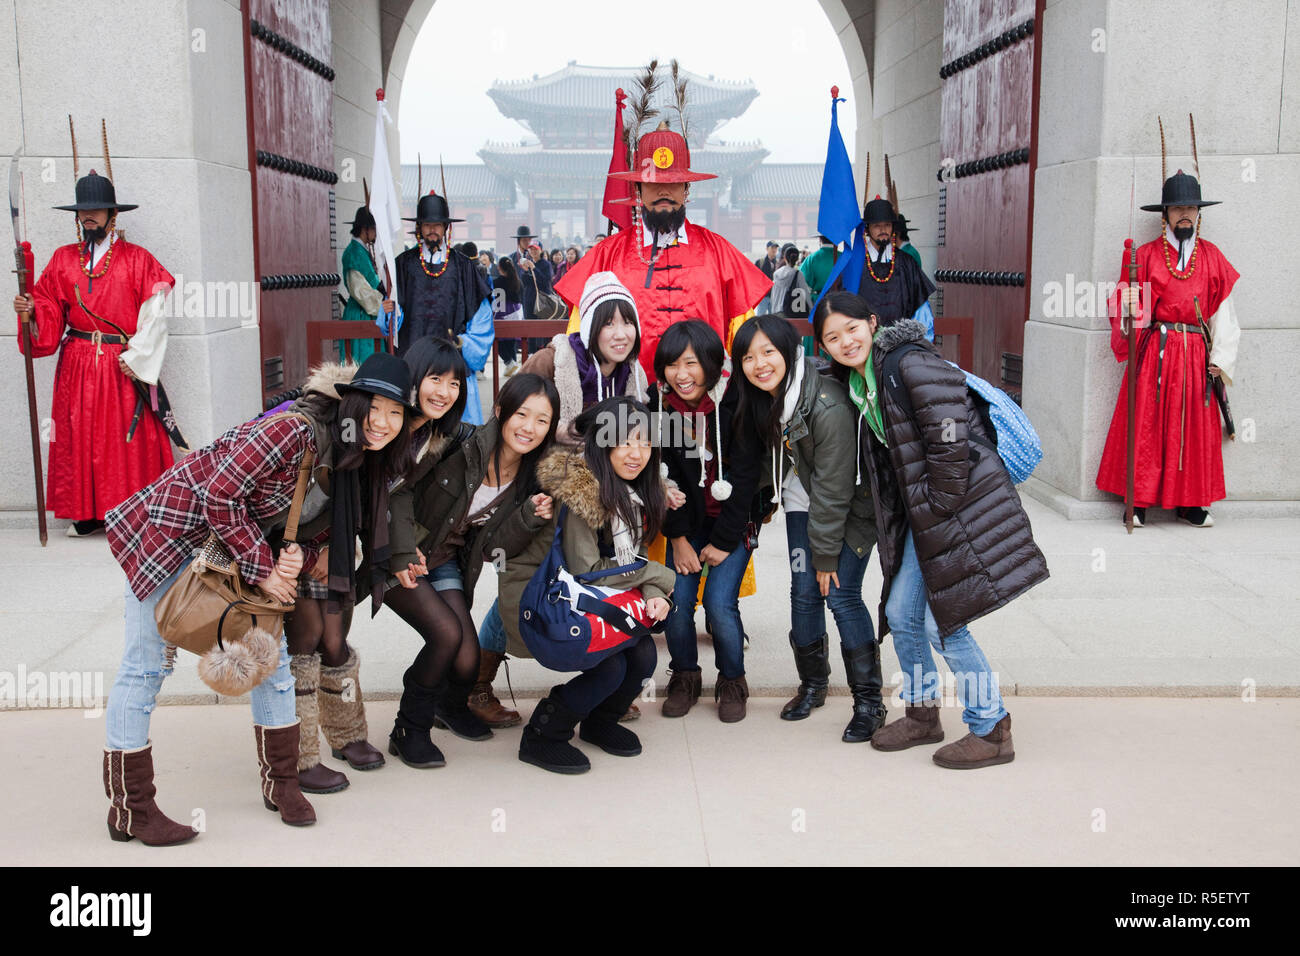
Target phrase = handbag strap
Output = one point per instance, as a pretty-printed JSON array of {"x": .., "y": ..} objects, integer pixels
[
  {"x": 300, "y": 490},
  {"x": 590, "y": 576}
]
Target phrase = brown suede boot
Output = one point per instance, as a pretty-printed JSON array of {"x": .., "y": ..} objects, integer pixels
[
  {"x": 919, "y": 725},
  {"x": 343, "y": 715},
  {"x": 483, "y": 702},
  {"x": 128, "y": 784},
  {"x": 971, "y": 752},
  {"x": 731, "y": 696},
  {"x": 277, "y": 757},
  {"x": 683, "y": 692},
  {"x": 313, "y": 776}
]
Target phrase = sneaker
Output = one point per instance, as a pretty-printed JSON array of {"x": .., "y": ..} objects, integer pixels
[
  {"x": 84, "y": 529},
  {"x": 512, "y": 367},
  {"x": 1196, "y": 517}
]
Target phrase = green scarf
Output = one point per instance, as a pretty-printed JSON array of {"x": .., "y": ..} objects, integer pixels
[{"x": 866, "y": 396}]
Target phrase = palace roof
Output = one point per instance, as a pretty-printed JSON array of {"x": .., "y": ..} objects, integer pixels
[
  {"x": 467, "y": 183},
  {"x": 779, "y": 181}
]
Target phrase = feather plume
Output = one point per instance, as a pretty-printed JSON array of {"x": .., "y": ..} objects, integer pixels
[
  {"x": 108, "y": 162},
  {"x": 1164, "y": 169},
  {"x": 1196, "y": 160},
  {"x": 642, "y": 106},
  {"x": 679, "y": 91},
  {"x": 76, "y": 166},
  {"x": 419, "y": 177},
  {"x": 891, "y": 191},
  {"x": 365, "y": 190},
  {"x": 442, "y": 173}
]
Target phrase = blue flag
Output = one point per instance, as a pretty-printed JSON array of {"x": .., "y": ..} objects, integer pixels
[{"x": 837, "y": 211}]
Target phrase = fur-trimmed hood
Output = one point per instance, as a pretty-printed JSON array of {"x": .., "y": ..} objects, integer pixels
[
  {"x": 900, "y": 333},
  {"x": 564, "y": 475},
  {"x": 324, "y": 378}
]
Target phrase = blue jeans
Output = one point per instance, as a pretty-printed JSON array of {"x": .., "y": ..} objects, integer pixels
[
  {"x": 721, "y": 610},
  {"x": 492, "y": 632},
  {"x": 915, "y": 632},
  {"x": 145, "y": 665},
  {"x": 446, "y": 576},
  {"x": 808, "y": 607}
]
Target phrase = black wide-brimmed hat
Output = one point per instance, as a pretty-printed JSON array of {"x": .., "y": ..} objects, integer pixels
[
  {"x": 96, "y": 192},
  {"x": 904, "y": 231},
  {"x": 432, "y": 208},
  {"x": 1180, "y": 190},
  {"x": 879, "y": 210},
  {"x": 523, "y": 232},
  {"x": 382, "y": 374},
  {"x": 364, "y": 219}
]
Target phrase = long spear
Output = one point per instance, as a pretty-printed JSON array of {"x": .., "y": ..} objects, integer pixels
[
  {"x": 1131, "y": 372},
  {"x": 23, "y": 269}
]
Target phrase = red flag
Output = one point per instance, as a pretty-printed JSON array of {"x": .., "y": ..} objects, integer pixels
[{"x": 617, "y": 206}]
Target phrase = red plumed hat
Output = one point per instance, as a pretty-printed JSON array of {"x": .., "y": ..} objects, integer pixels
[{"x": 662, "y": 156}]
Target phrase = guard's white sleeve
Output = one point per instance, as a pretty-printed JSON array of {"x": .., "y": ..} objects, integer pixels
[
  {"x": 1226, "y": 333},
  {"x": 363, "y": 293},
  {"x": 146, "y": 349}
]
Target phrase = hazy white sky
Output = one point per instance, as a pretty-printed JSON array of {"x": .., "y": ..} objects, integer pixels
[{"x": 786, "y": 48}]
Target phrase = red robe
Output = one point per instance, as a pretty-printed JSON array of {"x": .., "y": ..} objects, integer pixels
[
  {"x": 92, "y": 467},
  {"x": 706, "y": 277},
  {"x": 1178, "y": 451}
]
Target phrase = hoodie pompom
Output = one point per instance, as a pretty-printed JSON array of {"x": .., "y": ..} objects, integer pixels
[
  {"x": 242, "y": 664},
  {"x": 720, "y": 489},
  {"x": 663, "y": 470}
]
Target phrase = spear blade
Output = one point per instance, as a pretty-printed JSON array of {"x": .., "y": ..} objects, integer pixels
[{"x": 15, "y": 190}]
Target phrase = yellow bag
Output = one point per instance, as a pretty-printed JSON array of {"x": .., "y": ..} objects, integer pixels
[{"x": 658, "y": 551}]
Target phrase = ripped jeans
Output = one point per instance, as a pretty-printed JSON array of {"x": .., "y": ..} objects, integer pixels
[{"x": 145, "y": 665}]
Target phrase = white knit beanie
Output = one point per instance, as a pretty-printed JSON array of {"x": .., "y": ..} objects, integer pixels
[{"x": 602, "y": 287}]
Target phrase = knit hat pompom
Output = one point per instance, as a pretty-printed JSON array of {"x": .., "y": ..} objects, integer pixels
[
  {"x": 602, "y": 287},
  {"x": 242, "y": 664},
  {"x": 721, "y": 490}
]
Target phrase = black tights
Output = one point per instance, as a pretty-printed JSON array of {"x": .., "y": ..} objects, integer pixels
[
  {"x": 617, "y": 679},
  {"x": 310, "y": 627},
  {"x": 442, "y": 618}
]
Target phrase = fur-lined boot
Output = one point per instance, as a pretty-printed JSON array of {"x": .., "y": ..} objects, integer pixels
[
  {"x": 313, "y": 776},
  {"x": 343, "y": 714}
]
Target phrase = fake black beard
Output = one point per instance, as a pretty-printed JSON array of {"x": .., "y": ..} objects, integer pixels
[
  {"x": 880, "y": 244},
  {"x": 1183, "y": 233},
  {"x": 664, "y": 222},
  {"x": 94, "y": 235}
]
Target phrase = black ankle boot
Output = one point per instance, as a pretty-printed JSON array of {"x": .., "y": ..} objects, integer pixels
[
  {"x": 545, "y": 741},
  {"x": 452, "y": 712},
  {"x": 814, "y": 669},
  {"x": 410, "y": 740},
  {"x": 862, "y": 665},
  {"x": 601, "y": 727}
]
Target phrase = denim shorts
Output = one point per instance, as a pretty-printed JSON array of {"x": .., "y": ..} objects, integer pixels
[{"x": 447, "y": 577}]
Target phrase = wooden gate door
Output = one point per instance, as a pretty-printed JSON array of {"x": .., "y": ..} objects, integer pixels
[
  {"x": 289, "y": 88},
  {"x": 987, "y": 136}
]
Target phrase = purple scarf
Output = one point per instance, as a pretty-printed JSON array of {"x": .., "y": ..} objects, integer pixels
[{"x": 589, "y": 372}]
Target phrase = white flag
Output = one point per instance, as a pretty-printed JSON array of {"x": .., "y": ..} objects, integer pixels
[{"x": 384, "y": 205}]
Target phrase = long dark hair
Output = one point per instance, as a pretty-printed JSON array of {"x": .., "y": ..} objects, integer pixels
[
  {"x": 434, "y": 355},
  {"x": 605, "y": 425},
  {"x": 757, "y": 409},
  {"x": 844, "y": 303},
  {"x": 514, "y": 393},
  {"x": 510, "y": 279},
  {"x": 697, "y": 335},
  {"x": 603, "y": 316},
  {"x": 348, "y": 434}
]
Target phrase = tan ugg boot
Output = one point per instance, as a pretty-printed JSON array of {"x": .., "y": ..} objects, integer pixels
[
  {"x": 313, "y": 776},
  {"x": 343, "y": 714},
  {"x": 918, "y": 725}
]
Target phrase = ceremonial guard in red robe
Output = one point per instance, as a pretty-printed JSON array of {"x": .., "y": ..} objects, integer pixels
[
  {"x": 1187, "y": 352},
  {"x": 100, "y": 305},
  {"x": 674, "y": 269}
]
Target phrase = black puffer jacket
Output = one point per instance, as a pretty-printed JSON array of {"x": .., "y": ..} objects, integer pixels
[{"x": 972, "y": 535}]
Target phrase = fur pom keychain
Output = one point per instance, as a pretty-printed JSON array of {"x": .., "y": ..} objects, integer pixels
[{"x": 235, "y": 667}]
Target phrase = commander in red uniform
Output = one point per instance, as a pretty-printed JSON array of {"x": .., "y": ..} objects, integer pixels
[
  {"x": 674, "y": 269},
  {"x": 99, "y": 304}
]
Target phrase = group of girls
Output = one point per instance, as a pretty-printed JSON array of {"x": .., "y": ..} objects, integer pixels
[{"x": 572, "y": 439}]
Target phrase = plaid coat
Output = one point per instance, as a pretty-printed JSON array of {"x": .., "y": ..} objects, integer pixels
[{"x": 234, "y": 487}]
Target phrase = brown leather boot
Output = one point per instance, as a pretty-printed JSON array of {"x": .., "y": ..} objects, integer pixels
[
  {"x": 277, "y": 757},
  {"x": 683, "y": 692},
  {"x": 483, "y": 702},
  {"x": 128, "y": 784},
  {"x": 919, "y": 725},
  {"x": 313, "y": 776},
  {"x": 731, "y": 696},
  {"x": 971, "y": 752}
]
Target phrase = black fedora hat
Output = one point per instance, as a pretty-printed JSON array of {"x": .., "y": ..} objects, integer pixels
[
  {"x": 432, "y": 208},
  {"x": 879, "y": 210},
  {"x": 382, "y": 374},
  {"x": 96, "y": 192},
  {"x": 364, "y": 219},
  {"x": 523, "y": 232},
  {"x": 1180, "y": 190}
]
